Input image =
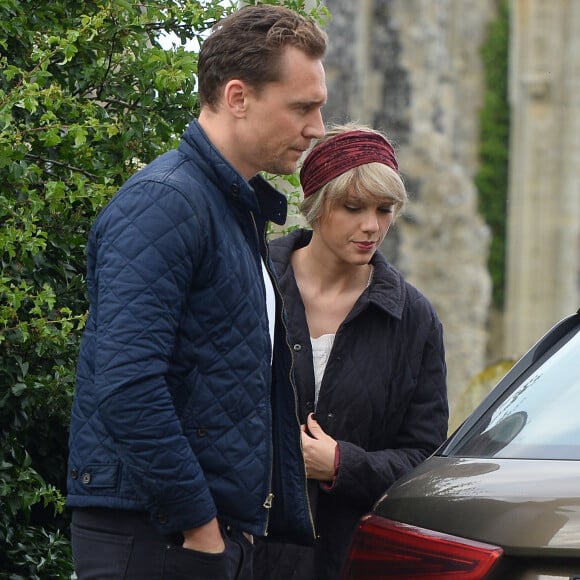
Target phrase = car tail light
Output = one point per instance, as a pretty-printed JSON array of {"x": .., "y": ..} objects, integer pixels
[{"x": 384, "y": 548}]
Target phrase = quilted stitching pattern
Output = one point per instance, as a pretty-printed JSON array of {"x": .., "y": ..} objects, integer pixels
[
  {"x": 174, "y": 368},
  {"x": 383, "y": 396}
]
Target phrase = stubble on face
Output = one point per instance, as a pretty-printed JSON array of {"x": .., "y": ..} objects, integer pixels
[
  {"x": 286, "y": 161},
  {"x": 287, "y": 114}
]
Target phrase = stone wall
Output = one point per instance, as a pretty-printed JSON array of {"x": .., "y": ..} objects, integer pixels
[
  {"x": 544, "y": 194},
  {"x": 412, "y": 69}
]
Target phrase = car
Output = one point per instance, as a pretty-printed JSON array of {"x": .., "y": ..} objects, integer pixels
[{"x": 500, "y": 499}]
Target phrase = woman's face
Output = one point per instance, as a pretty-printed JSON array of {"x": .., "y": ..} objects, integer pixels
[{"x": 353, "y": 228}]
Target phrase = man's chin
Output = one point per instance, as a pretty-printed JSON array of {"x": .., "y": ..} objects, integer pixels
[{"x": 283, "y": 169}]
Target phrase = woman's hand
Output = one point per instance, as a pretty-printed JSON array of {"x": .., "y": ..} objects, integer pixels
[{"x": 319, "y": 450}]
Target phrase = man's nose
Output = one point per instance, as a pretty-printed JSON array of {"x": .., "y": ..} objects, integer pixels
[{"x": 315, "y": 127}]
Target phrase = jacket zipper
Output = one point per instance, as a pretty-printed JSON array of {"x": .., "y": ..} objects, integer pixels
[
  {"x": 270, "y": 496},
  {"x": 290, "y": 379}
]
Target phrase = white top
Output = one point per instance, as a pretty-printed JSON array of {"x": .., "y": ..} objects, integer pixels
[
  {"x": 321, "y": 348},
  {"x": 270, "y": 305}
]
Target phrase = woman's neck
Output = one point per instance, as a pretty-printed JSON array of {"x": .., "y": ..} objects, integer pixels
[{"x": 328, "y": 289}]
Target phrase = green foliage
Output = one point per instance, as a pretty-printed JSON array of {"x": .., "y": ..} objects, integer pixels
[
  {"x": 492, "y": 177},
  {"x": 88, "y": 94},
  {"x": 314, "y": 9}
]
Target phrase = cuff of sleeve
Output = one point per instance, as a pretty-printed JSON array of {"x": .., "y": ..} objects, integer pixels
[{"x": 329, "y": 486}]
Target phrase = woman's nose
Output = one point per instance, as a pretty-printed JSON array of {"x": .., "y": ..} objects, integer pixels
[{"x": 370, "y": 222}]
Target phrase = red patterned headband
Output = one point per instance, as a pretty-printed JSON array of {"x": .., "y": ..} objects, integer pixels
[{"x": 341, "y": 153}]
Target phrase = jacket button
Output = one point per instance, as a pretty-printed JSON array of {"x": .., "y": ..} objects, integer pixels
[
  {"x": 86, "y": 478},
  {"x": 201, "y": 432},
  {"x": 309, "y": 405},
  {"x": 162, "y": 518},
  {"x": 74, "y": 474},
  {"x": 297, "y": 347}
]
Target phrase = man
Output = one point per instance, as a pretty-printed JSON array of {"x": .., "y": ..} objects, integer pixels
[{"x": 185, "y": 439}]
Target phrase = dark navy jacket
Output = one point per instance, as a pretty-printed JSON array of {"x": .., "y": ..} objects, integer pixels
[{"x": 179, "y": 409}]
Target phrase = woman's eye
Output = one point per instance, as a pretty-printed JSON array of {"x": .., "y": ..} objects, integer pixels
[
  {"x": 386, "y": 209},
  {"x": 351, "y": 208}
]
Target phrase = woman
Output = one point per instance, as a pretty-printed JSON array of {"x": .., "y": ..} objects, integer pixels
[{"x": 369, "y": 355}]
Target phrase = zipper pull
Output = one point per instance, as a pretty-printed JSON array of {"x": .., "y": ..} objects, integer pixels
[{"x": 268, "y": 503}]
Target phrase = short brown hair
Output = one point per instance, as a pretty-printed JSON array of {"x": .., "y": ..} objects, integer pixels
[{"x": 248, "y": 45}]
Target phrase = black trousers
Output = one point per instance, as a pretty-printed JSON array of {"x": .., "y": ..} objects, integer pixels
[{"x": 122, "y": 545}]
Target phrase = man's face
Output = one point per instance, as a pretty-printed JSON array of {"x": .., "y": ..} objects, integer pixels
[{"x": 283, "y": 118}]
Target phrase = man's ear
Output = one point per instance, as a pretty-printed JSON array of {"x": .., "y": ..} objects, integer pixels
[{"x": 235, "y": 95}]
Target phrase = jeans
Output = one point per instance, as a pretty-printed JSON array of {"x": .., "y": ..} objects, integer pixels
[{"x": 122, "y": 545}]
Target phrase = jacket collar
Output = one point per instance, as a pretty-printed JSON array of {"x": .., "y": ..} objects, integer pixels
[
  {"x": 387, "y": 288},
  {"x": 257, "y": 195}
]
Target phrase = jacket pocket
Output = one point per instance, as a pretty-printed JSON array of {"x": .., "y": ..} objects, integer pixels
[
  {"x": 185, "y": 564},
  {"x": 97, "y": 476}
]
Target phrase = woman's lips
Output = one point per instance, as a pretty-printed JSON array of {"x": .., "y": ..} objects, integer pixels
[{"x": 365, "y": 245}]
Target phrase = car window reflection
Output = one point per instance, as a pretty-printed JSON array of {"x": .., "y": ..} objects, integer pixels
[{"x": 538, "y": 418}]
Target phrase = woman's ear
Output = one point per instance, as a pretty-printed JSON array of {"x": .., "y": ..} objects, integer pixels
[{"x": 235, "y": 94}]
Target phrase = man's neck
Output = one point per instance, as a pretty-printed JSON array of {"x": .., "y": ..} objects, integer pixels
[{"x": 221, "y": 133}]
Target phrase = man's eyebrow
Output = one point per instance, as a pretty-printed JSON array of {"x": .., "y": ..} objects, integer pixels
[{"x": 310, "y": 103}]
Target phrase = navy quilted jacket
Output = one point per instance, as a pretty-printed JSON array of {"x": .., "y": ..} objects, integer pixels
[
  {"x": 383, "y": 398},
  {"x": 178, "y": 410}
]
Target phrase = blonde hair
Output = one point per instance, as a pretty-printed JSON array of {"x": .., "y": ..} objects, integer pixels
[{"x": 374, "y": 180}]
